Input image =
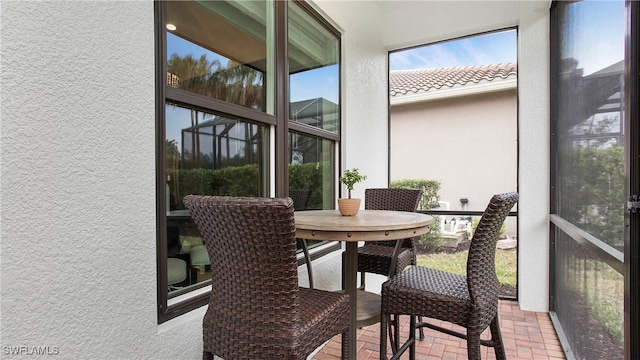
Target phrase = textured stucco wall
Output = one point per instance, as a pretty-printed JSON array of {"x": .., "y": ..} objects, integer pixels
[
  {"x": 534, "y": 166},
  {"x": 78, "y": 201},
  {"x": 468, "y": 143}
]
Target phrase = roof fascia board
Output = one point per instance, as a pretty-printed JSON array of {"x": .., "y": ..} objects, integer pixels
[{"x": 455, "y": 92}]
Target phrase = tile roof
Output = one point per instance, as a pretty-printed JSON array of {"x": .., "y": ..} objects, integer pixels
[{"x": 407, "y": 82}]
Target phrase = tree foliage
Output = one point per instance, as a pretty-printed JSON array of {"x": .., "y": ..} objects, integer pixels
[
  {"x": 430, "y": 197},
  {"x": 591, "y": 193},
  {"x": 309, "y": 176},
  {"x": 430, "y": 191},
  {"x": 235, "y": 83}
]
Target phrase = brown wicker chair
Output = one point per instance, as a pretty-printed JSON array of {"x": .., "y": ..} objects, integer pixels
[
  {"x": 256, "y": 308},
  {"x": 471, "y": 301},
  {"x": 376, "y": 256},
  {"x": 300, "y": 198}
]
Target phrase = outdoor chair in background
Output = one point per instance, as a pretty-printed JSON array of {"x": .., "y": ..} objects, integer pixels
[
  {"x": 376, "y": 256},
  {"x": 300, "y": 199},
  {"x": 470, "y": 301},
  {"x": 256, "y": 308}
]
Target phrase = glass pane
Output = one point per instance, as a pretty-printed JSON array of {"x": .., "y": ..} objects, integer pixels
[
  {"x": 311, "y": 165},
  {"x": 311, "y": 185},
  {"x": 590, "y": 118},
  {"x": 219, "y": 49},
  {"x": 440, "y": 106},
  {"x": 314, "y": 72},
  {"x": 206, "y": 154}
]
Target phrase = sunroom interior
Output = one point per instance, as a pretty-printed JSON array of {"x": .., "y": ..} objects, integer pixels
[{"x": 84, "y": 206}]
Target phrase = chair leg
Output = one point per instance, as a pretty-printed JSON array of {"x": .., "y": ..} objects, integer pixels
[
  {"x": 383, "y": 335},
  {"x": 395, "y": 343},
  {"x": 345, "y": 345},
  {"x": 496, "y": 336},
  {"x": 307, "y": 259},
  {"x": 412, "y": 337},
  {"x": 396, "y": 332},
  {"x": 391, "y": 328},
  {"x": 473, "y": 344},
  {"x": 361, "y": 287}
]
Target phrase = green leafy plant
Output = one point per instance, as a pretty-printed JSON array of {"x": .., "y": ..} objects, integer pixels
[
  {"x": 430, "y": 197},
  {"x": 309, "y": 176},
  {"x": 350, "y": 178},
  {"x": 430, "y": 191}
]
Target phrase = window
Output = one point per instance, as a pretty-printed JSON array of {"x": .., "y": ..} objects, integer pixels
[
  {"x": 314, "y": 72},
  {"x": 227, "y": 126},
  {"x": 314, "y": 110},
  {"x": 219, "y": 50},
  {"x": 457, "y": 100}
]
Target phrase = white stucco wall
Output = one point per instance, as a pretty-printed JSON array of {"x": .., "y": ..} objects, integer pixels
[
  {"x": 78, "y": 227},
  {"x": 534, "y": 166},
  {"x": 78, "y": 171}
]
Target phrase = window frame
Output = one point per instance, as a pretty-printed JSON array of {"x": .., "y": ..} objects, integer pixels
[{"x": 181, "y": 302}]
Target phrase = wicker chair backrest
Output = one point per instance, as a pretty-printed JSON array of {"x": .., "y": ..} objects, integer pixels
[
  {"x": 481, "y": 274},
  {"x": 300, "y": 198},
  {"x": 396, "y": 199},
  {"x": 252, "y": 247}
]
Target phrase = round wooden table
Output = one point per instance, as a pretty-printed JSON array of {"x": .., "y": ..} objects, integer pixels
[{"x": 367, "y": 225}]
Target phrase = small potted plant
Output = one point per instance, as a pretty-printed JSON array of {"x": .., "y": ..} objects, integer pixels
[{"x": 349, "y": 206}]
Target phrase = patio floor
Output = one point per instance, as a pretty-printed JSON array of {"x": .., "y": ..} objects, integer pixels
[{"x": 527, "y": 335}]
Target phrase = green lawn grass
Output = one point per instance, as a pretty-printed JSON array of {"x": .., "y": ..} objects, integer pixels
[{"x": 456, "y": 263}]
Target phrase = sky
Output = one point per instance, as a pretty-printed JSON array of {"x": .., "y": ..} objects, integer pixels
[
  {"x": 595, "y": 26},
  {"x": 598, "y": 28},
  {"x": 485, "y": 49}
]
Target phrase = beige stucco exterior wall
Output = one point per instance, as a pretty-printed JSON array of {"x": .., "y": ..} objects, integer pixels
[{"x": 468, "y": 143}]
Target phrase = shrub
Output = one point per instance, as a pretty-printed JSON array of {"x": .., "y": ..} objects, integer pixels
[
  {"x": 242, "y": 181},
  {"x": 430, "y": 191},
  {"x": 430, "y": 197},
  {"x": 231, "y": 181},
  {"x": 309, "y": 176}
]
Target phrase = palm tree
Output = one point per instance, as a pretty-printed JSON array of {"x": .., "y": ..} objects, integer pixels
[
  {"x": 192, "y": 74},
  {"x": 237, "y": 83}
]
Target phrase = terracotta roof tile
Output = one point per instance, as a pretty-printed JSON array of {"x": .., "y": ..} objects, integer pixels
[{"x": 405, "y": 82}]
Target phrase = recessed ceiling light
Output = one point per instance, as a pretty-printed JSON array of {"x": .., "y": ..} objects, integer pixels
[{"x": 171, "y": 27}]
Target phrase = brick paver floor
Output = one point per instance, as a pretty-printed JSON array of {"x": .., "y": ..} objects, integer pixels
[{"x": 527, "y": 335}]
